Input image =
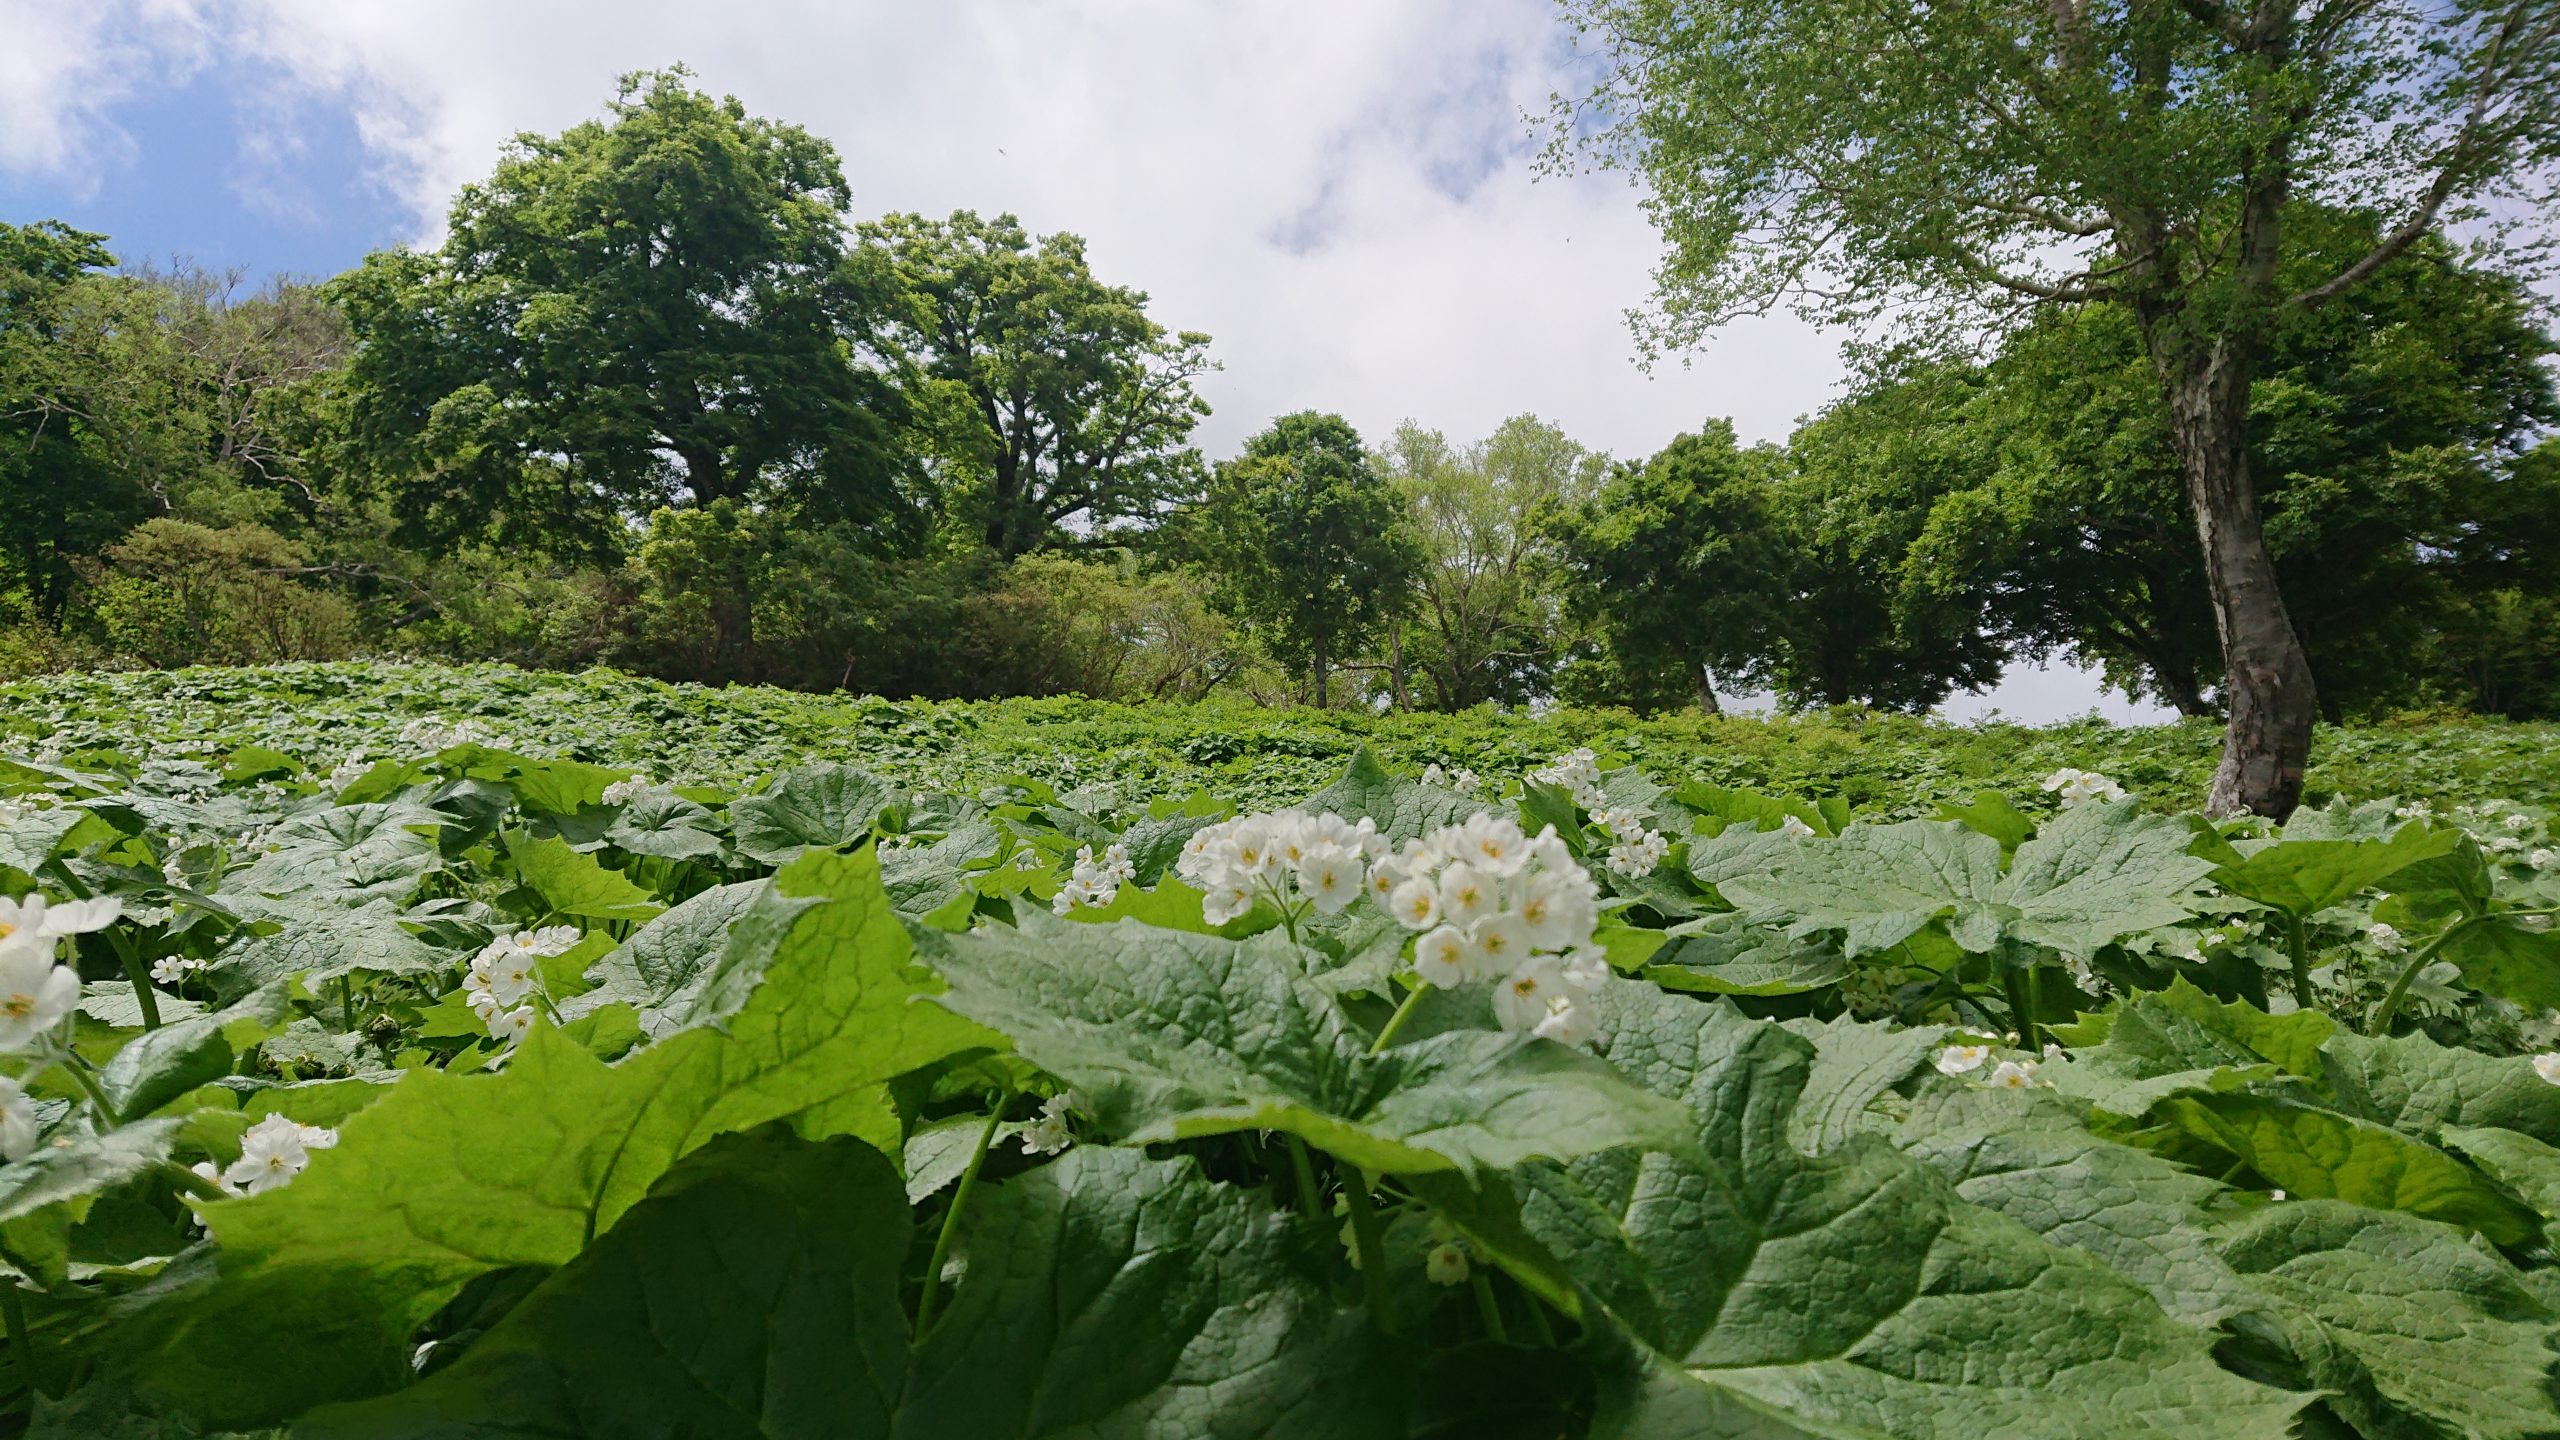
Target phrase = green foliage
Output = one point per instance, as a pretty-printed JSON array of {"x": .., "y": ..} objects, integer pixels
[{"x": 772, "y": 1146}]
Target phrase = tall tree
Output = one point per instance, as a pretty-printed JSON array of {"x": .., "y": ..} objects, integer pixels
[
  {"x": 1678, "y": 561},
  {"x": 1486, "y": 600},
  {"x": 1059, "y": 408},
  {"x": 649, "y": 309},
  {"x": 1308, "y": 542},
  {"x": 2379, "y": 434},
  {"x": 2137, "y": 151},
  {"x": 94, "y": 402}
]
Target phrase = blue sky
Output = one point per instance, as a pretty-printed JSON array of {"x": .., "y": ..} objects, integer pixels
[{"x": 1340, "y": 192}]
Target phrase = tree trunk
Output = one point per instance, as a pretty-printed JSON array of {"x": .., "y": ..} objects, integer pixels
[
  {"x": 1395, "y": 663},
  {"x": 2266, "y": 676},
  {"x": 2179, "y": 686},
  {"x": 1706, "y": 688},
  {"x": 1317, "y": 665}
]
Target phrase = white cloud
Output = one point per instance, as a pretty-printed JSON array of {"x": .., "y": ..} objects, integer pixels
[{"x": 65, "y": 66}]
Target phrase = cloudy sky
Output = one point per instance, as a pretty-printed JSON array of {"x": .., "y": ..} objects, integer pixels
[{"x": 1340, "y": 192}]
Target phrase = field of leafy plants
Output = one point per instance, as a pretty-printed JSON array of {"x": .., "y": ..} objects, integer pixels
[{"x": 369, "y": 1070}]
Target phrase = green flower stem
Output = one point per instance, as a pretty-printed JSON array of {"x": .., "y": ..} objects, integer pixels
[
  {"x": 2020, "y": 982},
  {"x": 1365, "y": 1237},
  {"x": 191, "y": 1182},
  {"x": 1310, "y": 1198},
  {"x": 1395, "y": 1022},
  {"x": 2380, "y": 1023},
  {"x": 2298, "y": 945},
  {"x": 1538, "y": 1322},
  {"x": 951, "y": 1220},
  {"x": 134, "y": 970},
  {"x": 347, "y": 1001},
  {"x": 1486, "y": 1306},
  {"x": 13, "y": 1309},
  {"x": 77, "y": 1068}
]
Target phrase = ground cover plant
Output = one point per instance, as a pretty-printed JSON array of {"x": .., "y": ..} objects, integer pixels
[{"x": 468, "y": 1086}]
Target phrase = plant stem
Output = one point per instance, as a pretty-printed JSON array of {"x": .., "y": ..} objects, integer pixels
[
  {"x": 78, "y": 1069},
  {"x": 347, "y": 1001},
  {"x": 191, "y": 1182},
  {"x": 1538, "y": 1322},
  {"x": 951, "y": 1220},
  {"x": 2299, "y": 947},
  {"x": 1310, "y": 1199},
  {"x": 2019, "y": 982},
  {"x": 1395, "y": 1022},
  {"x": 131, "y": 959},
  {"x": 1486, "y": 1306},
  {"x": 2380, "y": 1023},
  {"x": 1373, "y": 1254},
  {"x": 13, "y": 1308}
]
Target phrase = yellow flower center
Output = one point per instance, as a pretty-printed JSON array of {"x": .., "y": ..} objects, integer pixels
[{"x": 18, "y": 1007}]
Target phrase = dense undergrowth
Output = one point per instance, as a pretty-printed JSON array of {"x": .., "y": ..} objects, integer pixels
[
  {"x": 1249, "y": 755},
  {"x": 378, "y": 1064}
]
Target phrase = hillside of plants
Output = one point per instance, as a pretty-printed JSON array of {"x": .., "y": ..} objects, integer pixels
[{"x": 398, "y": 1076}]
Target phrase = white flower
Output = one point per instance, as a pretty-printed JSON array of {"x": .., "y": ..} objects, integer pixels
[
  {"x": 1432, "y": 774},
  {"x": 2275, "y": 1195},
  {"x": 2547, "y": 1065},
  {"x": 1498, "y": 942},
  {"x": 1465, "y": 895},
  {"x": 1569, "y": 1019},
  {"x": 505, "y": 978},
  {"x": 173, "y": 970},
  {"x": 2014, "y": 1075},
  {"x": 2075, "y": 786},
  {"x": 1225, "y": 903},
  {"x": 1959, "y": 1059},
  {"x": 34, "y": 920},
  {"x": 1415, "y": 904},
  {"x": 1095, "y": 881},
  {"x": 18, "y": 1131},
  {"x": 207, "y": 1170},
  {"x": 2385, "y": 938},
  {"x": 539, "y": 944},
  {"x": 2518, "y": 823},
  {"x": 626, "y": 790},
  {"x": 1329, "y": 875},
  {"x": 2543, "y": 858},
  {"x": 1637, "y": 858},
  {"x": 511, "y": 1026},
  {"x": 1446, "y": 1264},
  {"x": 1577, "y": 771},
  {"x": 1049, "y": 1134},
  {"x": 1558, "y": 911},
  {"x": 35, "y": 995},
  {"x": 1493, "y": 844},
  {"x": 2505, "y": 845},
  {"x": 1443, "y": 958},
  {"x": 272, "y": 1152},
  {"x": 1794, "y": 825}
]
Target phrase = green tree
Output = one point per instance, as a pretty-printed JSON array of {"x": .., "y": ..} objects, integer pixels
[
  {"x": 1861, "y": 480},
  {"x": 1858, "y": 157},
  {"x": 1679, "y": 564},
  {"x": 1057, "y": 408},
  {"x": 2379, "y": 432},
  {"x": 94, "y": 403},
  {"x": 1488, "y": 622},
  {"x": 1309, "y": 543},
  {"x": 652, "y": 308}
]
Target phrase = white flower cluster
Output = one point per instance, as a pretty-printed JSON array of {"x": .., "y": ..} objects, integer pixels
[
  {"x": 173, "y": 970},
  {"x": 2385, "y": 938},
  {"x": 2073, "y": 787},
  {"x": 1636, "y": 849},
  {"x": 2007, "y": 1075},
  {"x": 2414, "y": 810},
  {"x": 1462, "y": 780},
  {"x": 1577, "y": 771},
  {"x": 2547, "y": 1065},
  {"x": 1096, "y": 882},
  {"x": 1287, "y": 854},
  {"x": 1493, "y": 903},
  {"x": 626, "y": 789},
  {"x": 346, "y": 772},
  {"x": 1050, "y": 1134},
  {"x": 433, "y": 734},
  {"x": 272, "y": 1152},
  {"x": 506, "y": 975}
]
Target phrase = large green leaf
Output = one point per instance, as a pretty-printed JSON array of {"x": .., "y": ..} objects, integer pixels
[
  {"x": 2026, "y": 1154},
  {"x": 1171, "y": 1034},
  {"x": 1402, "y": 809},
  {"x": 661, "y": 969},
  {"x": 576, "y": 884},
  {"x": 2412, "y": 1084},
  {"x": 2408, "y": 1327},
  {"x": 1855, "y": 1291},
  {"x": 2092, "y": 876},
  {"x": 325, "y": 945},
  {"x": 451, "y": 1176},
  {"x": 1853, "y": 1064},
  {"x": 665, "y": 824},
  {"x": 2310, "y": 1151},
  {"x": 2308, "y": 876},
  {"x": 349, "y": 855},
  {"x": 2501, "y": 956},
  {"x": 826, "y": 807},
  {"x": 754, "y": 1296},
  {"x": 1724, "y": 954}
]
